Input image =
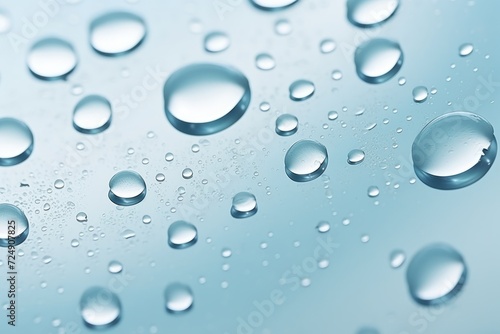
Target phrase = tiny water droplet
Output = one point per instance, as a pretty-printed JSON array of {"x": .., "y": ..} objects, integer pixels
[
  {"x": 182, "y": 234},
  {"x": 216, "y": 42},
  {"x": 178, "y": 297},
  {"x": 127, "y": 188},
  {"x": 51, "y": 59},
  {"x": 301, "y": 90},
  {"x": 169, "y": 157},
  {"x": 355, "y": 157},
  {"x": 378, "y": 60},
  {"x": 283, "y": 27},
  {"x": 81, "y": 217},
  {"x": 92, "y": 114},
  {"x": 244, "y": 205},
  {"x": 306, "y": 160},
  {"x": 100, "y": 308},
  {"x": 286, "y": 125},
  {"x": 16, "y": 141}
]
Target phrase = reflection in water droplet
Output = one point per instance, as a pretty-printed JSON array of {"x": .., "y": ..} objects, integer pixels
[
  {"x": 100, "y": 308},
  {"x": 216, "y": 42},
  {"x": 178, "y": 297},
  {"x": 420, "y": 94},
  {"x": 378, "y": 60},
  {"x": 286, "y": 125},
  {"x": 355, "y": 157},
  {"x": 301, "y": 90},
  {"x": 367, "y": 13},
  {"x": 436, "y": 274},
  {"x": 327, "y": 46},
  {"x": 115, "y": 267},
  {"x": 92, "y": 114},
  {"x": 265, "y": 62},
  {"x": 244, "y": 205},
  {"x": 16, "y": 141},
  {"x": 127, "y": 188},
  {"x": 51, "y": 59},
  {"x": 373, "y": 191},
  {"x": 454, "y": 150},
  {"x": 117, "y": 33},
  {"x": 146, "y": 219},
  {"x": 202, "y": 99},
  {"x": 182, "y": 234},
  {"x": 9, "y": 213},
  {"x": 306, "y": 160},
  {"x": 465, "y": 49},
  {"x": 397, "y": 258},
  {"x": 273, "y": 4}
]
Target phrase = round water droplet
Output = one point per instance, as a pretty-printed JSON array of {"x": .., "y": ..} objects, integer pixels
[
  {"x": 202, "y": 99},
  {"x": 355, "y": 157},
  {"x": 92, "y": 114},
  {"x": 286, "y": 125},
  {"x": 51, "y": 59},
  {"x": 306, "y": 160},
  {"x": 244, "y": 205},
  {"x": 378, "y": 60},
  {"x": 367, "y": 13},
  {"x": 265, "y": 62},
  {"x": 327, "y": 46},
  {"x": 373, "y": 191},
  {"x": 226, "y": 252},
  {"x": 8, "y": 214},
  {"x": 323, "y": 226},
  {"x": 178, "y": 297},
  {"x": 169, "y": 157},
  {"x": 187, "y": 173},
  {"x": 127, "y": 188},
  {"x": 182, "y": 234},
  {"x": 216, "y": 42},
  {"x": 465, "y": 49},
  {"x": 117, "y": 33},
  {"x": 333, "y": 115},
  {"x": 16, "y": 141},
  {"x": 283, "y": 27},
  {"x": 100, "y": 308},
  {"x": 454, "y": 150},
  {"x": 115, "y": 267},
  {"x": 58, "y": 184},
  {"x": 420, "y": 94},
  {"x": 301, "y": 90},
  {"x": 264, "y": 106},
  {"x": 436, "y": 274},
  {"x": 397, "y": 258},
  {"x": 336, "y": 75},
  {"x": 273, "y": 4}
]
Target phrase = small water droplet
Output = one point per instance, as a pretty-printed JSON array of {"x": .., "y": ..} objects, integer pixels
[
  {"x": 81, "y": 217},
  {"x": 323, "y": 226},
  {"x": 301, "y": 90},
  {"x": 127, "y": 188},
  {"x": 397, "y": 258},
  {"x": 146, "y": 219},
  {"x": 128, "y": 233},
  {"x": 373, "y": 191},
  {"x": 160, "y": 177},
  {"x": 75, "y": 243},
  {"x": 286, "y": 125},
  {"x": 47, "y": 259},
  {"x": 306, "y": 160},
  {"x": 333, "y": 115},
  {"x": 265, "y": 62},
  {"x": 16, "y": 141},
  {"x": 273, "y": 4},
  {"x": 187, "y": 173},
  {"x": 178, "y": 297},
  {"x": 92, "y": 114},
  {"x": 336, "y": 75},
  {"x": 420, "y": 94},
  {"x": 58, "y": 184},
  {"x": 5, "y": 22},
  {"x": 244, "y": 205},
  {"x": 283, "y": 27},
  {"x": 51, "y": 59},
  {"x": 226, "y": 252},
  {"x": 367, "y": 13},
  {"x": 378, "y": 60},
  {"x": 182, "y": 234},
  {"x": 216, "y": 42},
  {"x": 327, "y": 46},
  {"x": 115, "y": 267},
  {"x": 169, "y": 157},
  {"x": 9, "y": 213},
  {"x": 355, "y": 157},
  {"x": 100, "y": 308},
  {"x": 402, "y": 81},
  {"x": 465, "y": 49}
]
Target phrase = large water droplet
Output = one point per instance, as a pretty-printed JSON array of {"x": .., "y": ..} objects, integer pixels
[
  {"x": 436, "y": 274},
  {"x": 244, "y": 205},
  {"x": 16, "y": 141},
  {"x": 301, "y": 90},
  {"x": 12, "y": 219},
  {"x": 286, "y": 125},
  {"x": 367, "y": 13},
  {"x": 117, "y": 33},
  {"x": 202, "y": 99},
  {"x": 182, "y": 234},
  {"x": 378, "y": 60},
  {"x": 216, "y": 42},
  {"x": 51, "y": 59},
  {"x": 100, "y": 308},
  {"x": 420, "y": 94},
  {"x": 273, "y": 4},
  {"x": 127, "y": 188},
  {"x": 178, "y": 297},
  {"x": 92, "y": 114},
  {"x": 305, "y": 160},
  {"x": 454, "y": 150}
]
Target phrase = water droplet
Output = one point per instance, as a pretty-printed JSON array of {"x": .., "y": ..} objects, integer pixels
[
  {"x": 336, "y": 75},
  {"x": 47, "y": 259},
  {"x": 401, "y": 81},
  {"x": 5, "y": 22},
  {"x": 216, "y": 42},
  {"x": 367, "y": 13},
  {"x": 436, "y": 274},
  {"x": 178, "y": 297},
  {"x": 265, "y": 62},
  {"x": 244, "y": 205},
  {"x": 126, "y": 188},
  {"x": 187, "y": 173},
  {"x": 81, "y": 217},
  {"x": 51, "y": 59},
  {"x": 202, "y": 99},
  {"x": 373, "y": 191},
  {"x": 378, "y": 60},
  {"x": 16, "y": 141},
  {"x": 306, "y": 160},
  {"x": 75, "y": 243},
  {"x": 365, "y": 238},
  {"x": 58, "y": 184},
  {"x": 327, "y": 46},
  {"x": 323, "y": 226},
  {"x": 465, "y": 49},
  {"x": 333, "y": 115},
  {"x": 182, "y": 234},
  {"x": 454, "y": 150},
  {"x": 115, "y": 267},
  {"x": 226, "y": 252},
  {"x": 420, "y": 94},
  {"x": 46, "y": 207},
  {"x": 397, "y": 258},
  {"x": 273, "y": 4},
  {"x": 286, "y": 125},
  {"x": 92, "y": 114},
  {"x": 301, "y": 90},
  {"x": 355, "y": 157},
  {"x": 169, "y": 157},
  {"x": 160, "y": 177},
  {"x": 128, "y": 233},
  {"x": 117, "y": 33},
  {"x": 100, "y": 308},
  {"x": 283, "y": 27},
  {"x": 9, "y": 213}
]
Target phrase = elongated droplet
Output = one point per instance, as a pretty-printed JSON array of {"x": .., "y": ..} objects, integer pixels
[
  {"x": 100, "y": 308},
  {"x": 465, "y": 49},
  {"x": 182, "y": 234},
  {"x": 368, "y": 13},
  {"x": 117, "y": 33},
  {"x": 244, "y": 205},
  {"x": 286, "y": 125},
  {"x": 92, "y": 114},
  {"x": 178, "y": 298},
  {"x": 305, "y": 160},
  {"x": 14, "y": 226},
  {"x": 301, "y": 90},
  {"x": 273, "y": 4},
  {"x": 202, "y": 99},
  {"x": 397, "y": 258},
  {"x": 378, "y": 60},
  {"x": 16, "y": 141},
  {"x": 51, "y": 59},
  {"x": 454, "y": 150},
  {"x": 216, "y": 42},
  {"x": 115, "y": 267},
  {"x": 436, "y": 274},
  {"x": 127, "y": 188}
]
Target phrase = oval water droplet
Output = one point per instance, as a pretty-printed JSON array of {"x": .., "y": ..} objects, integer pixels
[
  {"x": 368, "y": 13},
  {"x": 182, "y": 234},
  {"x": 10, "y": 213},
  {"x": 58, "y": 184},
  {"x": 127, "y": 188},
  {"x": 244, "y": 205},
  {"x": 92, "y": 114},
  {"x": 178, "y": 298},
  {"x": 265, "y": 62},
  {"x": 397, "y": 258},
  {"x": 301, "y": 90},
  {"x": 202, "y": 99},
  {"x": 283, "y": 27},
  {"x": 51, "y": 59},
  {"x": 378, "y": 60},
  {"x": 465, "y": 49},
  {"x": 306, "y": 160},
  {"x": 16, "y": 141},
  {"x": 115, "y": 267},
  {"x": 216, "y": 42},
  {"x": 436, "y": 274},
  {"x": 454, "y": 150},
  {"x": 286, "y": 125},
  {"x": 355, "y": 157},
  {"x": 273, "y": 4},
  {"x": 187, "y": 173},
  {"x": 373, "y": 191},
  {"x": 323, "y": 226},
  {"x": 117, "y": 33},
  {"x": 420, "y": 94},
  {"x": 100, "y": 308},
  {"x": 327, "y": 46}
]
